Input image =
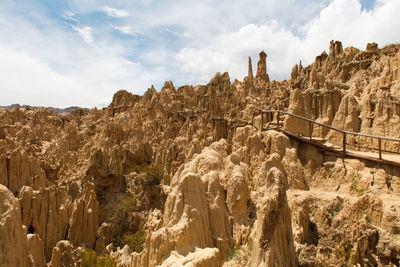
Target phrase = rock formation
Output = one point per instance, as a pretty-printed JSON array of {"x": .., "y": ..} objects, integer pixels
[
  {"x": 13, "y": 242},
  {"x": 262, "y": 67},
  {"x": 185, "y": 176},
  {"x": 250, "y": 72}
]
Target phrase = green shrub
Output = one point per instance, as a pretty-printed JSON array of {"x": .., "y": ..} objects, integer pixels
[
  {"x": 114, "y": 212},
  {"x": 237, "y": 254},
  {"x": 127, "y": 228},
  {"x": 151, "y": 174},
  {"x": 135, "y": 241},
  {"x": 106, "y": 262},
  {"x": 231, "y": 254},
  {"x": 355, "y": 178},
  {"x": 90, "y": 259}
]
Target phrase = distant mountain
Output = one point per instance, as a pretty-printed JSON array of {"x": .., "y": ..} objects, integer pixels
[{"x": 54, "y": 110}]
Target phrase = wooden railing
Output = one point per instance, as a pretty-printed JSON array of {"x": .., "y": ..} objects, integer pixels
[
  {"x": 267, "y": 115},
  {"x": 276, "y": 104}
]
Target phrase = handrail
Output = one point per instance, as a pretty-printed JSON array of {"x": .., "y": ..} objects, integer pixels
[
  {"x": 280, "y": 102},
  {"x": 311, "y": 122},
  {"x": 303, "y": 118}
]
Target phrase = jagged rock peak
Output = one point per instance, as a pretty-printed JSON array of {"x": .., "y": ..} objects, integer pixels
[
  {"x": 220, "y": 79},
  {"x": 372, "y": 47},
  {"x": 250, "y": 75},
  {"x": 123, "y": 98},
  {"x": 295, "y": 72},
  {"x": 168, "y": 86},
  {"x": 192, "y": 169},
  {"x": 150, "y": 92},
  {"x": 335, "y": 48},
  {"x": 262, "y": 67}
]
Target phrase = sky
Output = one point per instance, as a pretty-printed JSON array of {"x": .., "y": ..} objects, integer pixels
[{"x": 64, "y": 53}]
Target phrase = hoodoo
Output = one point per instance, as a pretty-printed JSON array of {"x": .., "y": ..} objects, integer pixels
[
  {"x": 262, "y": 67},
  {"x": 211, "y": 175},
  {"x": 250, "y": 71}
]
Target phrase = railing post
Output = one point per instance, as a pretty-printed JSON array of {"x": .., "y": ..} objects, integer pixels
[
  {"x": 310, "y": 130},
  {"x": 379, "y": 147},
  {"x": 277, "y": 120},
  {"x": 344, "y": 142},
  {"x": 262, "y": 120}
]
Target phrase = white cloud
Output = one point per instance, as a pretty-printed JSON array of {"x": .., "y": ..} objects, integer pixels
[
  {"x": 27, "y": 80},
  {"x": 115, "y": 13},
  {"x": 69, "y": 15},
  {"x": 51, "y": 66},
  {"x": 183, "y": 41},
  {"x": 85, "y": 33},
  {"x": 93, "y": 76},
  {"x": 204, "y": 20},
  {"x": 230, "y": 51},
  {"x": 125, "y": 30},
  {"x": 342, "y": 20}
]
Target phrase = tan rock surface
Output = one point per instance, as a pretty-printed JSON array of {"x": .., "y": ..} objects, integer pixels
[
  {"x": 272, "y": 237},
  {"x": 200, "y": 257},
  {"x": 262, "y": 67},
  {"x": 221, "y": 196},
  {"x": 45, "y": 212},
  {"x": 36, "y": 249},
  {"x": 64, "y": 254},
  {"x": 83, "y": 220},
  {"x": 13, "y": 242}
]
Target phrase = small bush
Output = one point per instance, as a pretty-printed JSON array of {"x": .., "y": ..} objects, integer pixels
[
  {"x": 355, "y": 178},
  {"x": 135, "y": 241},
  {"x": 151, "y": 174},
  {"x": 113, "y": 213},
  {"x": 231, "y": 254},
  {"x": 127, "y": 228},
  {"x": 237, "y": 254},
  {"x": 90, "y": 259}
]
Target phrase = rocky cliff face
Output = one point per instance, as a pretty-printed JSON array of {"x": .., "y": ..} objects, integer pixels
[
  {"x": 349, "y": 89},
  {"x": 185, "y": 176}
]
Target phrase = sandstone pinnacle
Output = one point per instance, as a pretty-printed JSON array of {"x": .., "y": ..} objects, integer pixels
[
  {"x": 197, "y": 176},
  {"x": 262, "y": 67},
  {"x": 250, "y": 71}
]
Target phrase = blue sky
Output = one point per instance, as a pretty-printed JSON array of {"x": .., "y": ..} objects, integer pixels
[{"x": 63, "y": 53}]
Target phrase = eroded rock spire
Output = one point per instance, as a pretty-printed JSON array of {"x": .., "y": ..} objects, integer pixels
[
  {"x": 250, "y": 75},
  {"x": 262, "y": 67},
  {"x": 335, "y": 48}
]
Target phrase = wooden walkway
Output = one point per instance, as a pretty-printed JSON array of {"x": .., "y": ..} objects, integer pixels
[{"x": 381, "y": 155}]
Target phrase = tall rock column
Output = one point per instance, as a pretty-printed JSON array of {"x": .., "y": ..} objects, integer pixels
[
  {"x": 13, "y": 242},
  {"x": 262, "y": 67},
  {"x": 83, "y": 221},
  {"x": 272, "y": 236},
  {"x": 250, "y": 75},
  {"x": 335, "y": 48}
]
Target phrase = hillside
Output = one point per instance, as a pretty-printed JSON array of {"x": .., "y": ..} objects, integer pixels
[{"x": 185, "y": 176}]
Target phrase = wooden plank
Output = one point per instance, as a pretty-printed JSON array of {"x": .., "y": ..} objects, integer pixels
[
  {"x": 262, "y": 121},
  {"x": 344, "y": 142},
  {"x": 333, "y": 128},
  {"x": 340, "y": 153},
  {"x": 277, "y": 120}
]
